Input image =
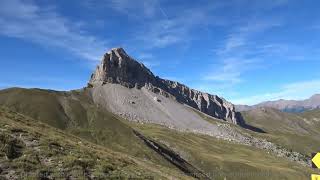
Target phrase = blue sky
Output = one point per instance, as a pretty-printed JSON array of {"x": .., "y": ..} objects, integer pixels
[{"x": 247, "y": 51}]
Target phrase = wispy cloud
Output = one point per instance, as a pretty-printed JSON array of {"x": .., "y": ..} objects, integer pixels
[
  {"x": 232, "y": 56},
  {"x": 138, "y": 9},
  {"x": 43, "y": 25},
  {"x": 146, "y": 8},
  {"x": 145, "y": 56},
  {"x": 162, "y": 34},
  {"x": 288, "y": 52},
  {"x": 233, "y": 41},
  {"x": 236, "y": 56},
  {"x": 291, "y": 91},
  {"x": 148, "y": 60},
  {"x": 174, "y": 28},
  {"x": 160, "y": 26},
  {"x": 230, "y": 70},
  {"x": 241, "y": 38}
]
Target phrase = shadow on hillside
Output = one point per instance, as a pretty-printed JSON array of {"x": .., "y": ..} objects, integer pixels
[
  {"x": 243, "y": 124},
  {"x": 253, "y": 128},
  {"x": 173, "y": 157}
]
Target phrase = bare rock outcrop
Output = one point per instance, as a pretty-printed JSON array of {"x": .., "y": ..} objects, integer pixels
[{"x": 118, "y": 67}]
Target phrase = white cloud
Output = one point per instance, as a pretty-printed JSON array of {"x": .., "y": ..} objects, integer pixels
[
  {"x": 163, "y": 33},
  {"x": 241, "y": 38},
  {"x": 174, "y": 29},
  {"x": 288, "y": 52},
  {"x": 292, "y": 91},
  {"x": 234, "y": 41},
  {"x": 231, "y": 70},
  {"x": 148, "y": 60},
  {"x": 42, "y": 25},
  {"x": 145, "y": 56},
  {"x": 158, "y": 27},
  {"x": 232, "y": 56},
  {"x": 147, "y": 8},
  {"x": 137, "y": 9}
]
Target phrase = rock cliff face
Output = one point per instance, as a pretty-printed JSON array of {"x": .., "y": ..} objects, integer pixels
[{"x": 118, "y": 67}]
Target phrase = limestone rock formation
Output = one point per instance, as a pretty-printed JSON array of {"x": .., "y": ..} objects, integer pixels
[{"x": 118, "y": 67}]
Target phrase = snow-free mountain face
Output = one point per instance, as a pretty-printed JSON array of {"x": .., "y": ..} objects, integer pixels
[
  {"x": 118, "y": 68},
  {"x": 287, "y": 105}
]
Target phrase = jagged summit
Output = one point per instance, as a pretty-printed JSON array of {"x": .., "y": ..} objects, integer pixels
[
  {"x": 120, "y": 53},
  {"x": 119, "y": 49},
  {"x": 117, "y": 67}
]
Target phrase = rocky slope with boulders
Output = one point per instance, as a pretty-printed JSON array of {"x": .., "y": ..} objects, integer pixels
[{"x": 117, "y": 67}]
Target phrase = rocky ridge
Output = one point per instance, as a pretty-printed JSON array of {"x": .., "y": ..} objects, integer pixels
[{"x": 118, "y": 67}]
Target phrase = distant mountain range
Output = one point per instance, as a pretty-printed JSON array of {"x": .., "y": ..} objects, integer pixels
[{"x": 287, "y": 105}]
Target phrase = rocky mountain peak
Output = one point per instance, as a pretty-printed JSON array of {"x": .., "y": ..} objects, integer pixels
[
  {"x": 117, "y": 67},
  {"x": 118, "y": 53}
]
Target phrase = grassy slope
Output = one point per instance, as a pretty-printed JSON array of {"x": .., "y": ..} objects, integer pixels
[
  {"x": 30, "y": 149},
  {"x": 287, "y": 129},
  {"x": 75, "y": 113},
  {"x": 312, "y": 113},
  {"x": 222, "y": 159},
  {"x": 78, "y": 115},
  {"x": 312, "y": 116}
]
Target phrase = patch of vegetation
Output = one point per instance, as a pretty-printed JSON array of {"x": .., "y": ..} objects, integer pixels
[{"x": 11, "y": 147}]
